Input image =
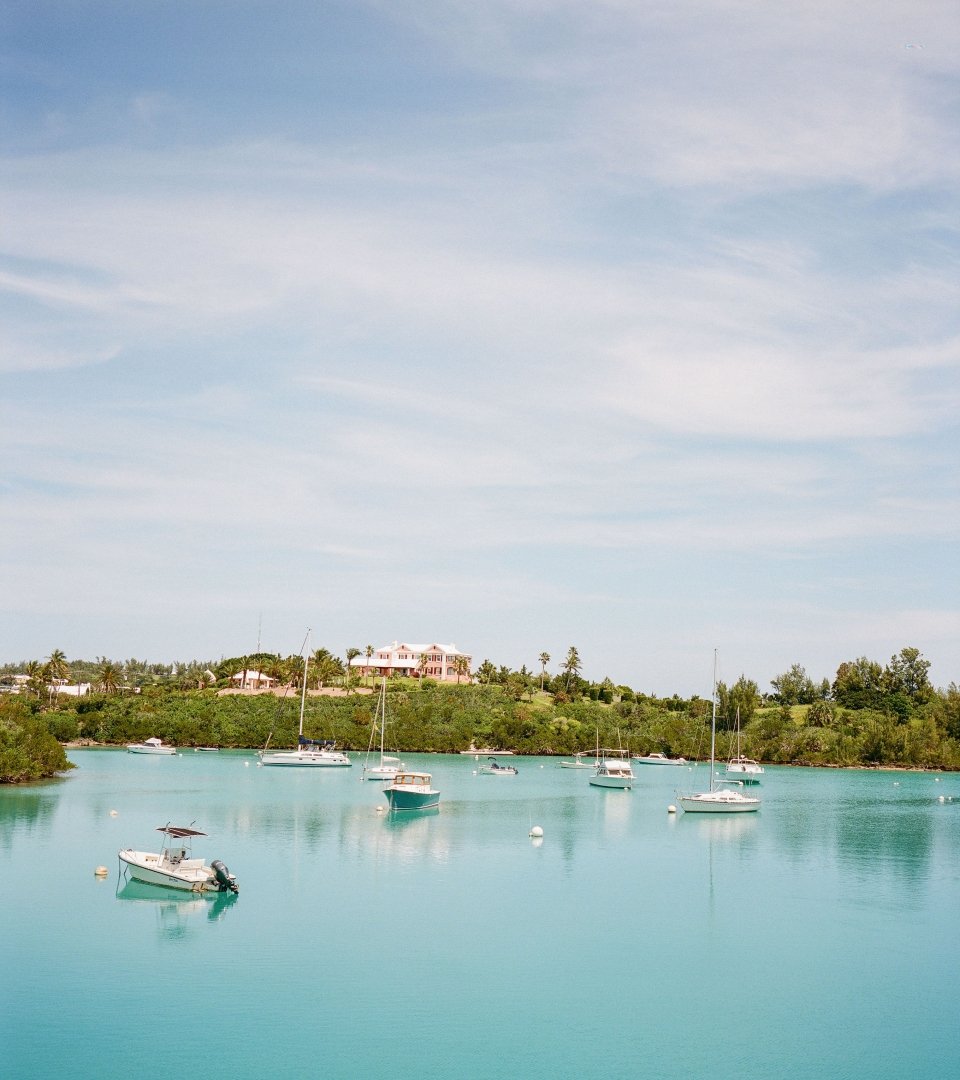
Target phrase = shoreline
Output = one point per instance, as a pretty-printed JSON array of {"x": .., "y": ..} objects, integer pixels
[{"x": 91, "y": 744}]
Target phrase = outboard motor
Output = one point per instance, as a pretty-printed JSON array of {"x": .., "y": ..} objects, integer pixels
[{"x": 226, "y": 881}]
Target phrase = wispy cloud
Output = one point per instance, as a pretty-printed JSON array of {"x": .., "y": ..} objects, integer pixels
[{"x": 622, "y": 319}]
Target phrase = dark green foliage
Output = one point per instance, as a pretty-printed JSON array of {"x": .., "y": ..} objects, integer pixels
[
  {"x": 870, "y": 716},
  {"x": 27, "y": 749}
]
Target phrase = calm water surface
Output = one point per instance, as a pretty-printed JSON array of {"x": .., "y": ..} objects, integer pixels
[{"x": 819, "y": 938}]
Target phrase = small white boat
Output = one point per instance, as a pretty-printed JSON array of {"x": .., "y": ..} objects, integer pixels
[
  {"x": 387, "y": 767},
  {"x": 613, "y": 770},
  {"x": 207, "y": 749},
  {"x": 174, "y": 867},
  {"x": 310, "y": 753},
  {"x": 151, "y": 746},
  {"x": 494, "y": 768},
  {"x": 412, "y": 791},
  {"x": 740, "y": 769},
  {"x": 486, "y": 751},
  {"x": 580, "y": 763},
  {"x": 717, "y": 800},
  {"x": 744, "y": 770},
  {"x": 660, "y": 759}
]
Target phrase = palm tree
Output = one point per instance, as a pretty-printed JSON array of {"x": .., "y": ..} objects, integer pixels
[
  {"x": 571, "y": 666},
  {"x": 544, "y": 659},
  {"x": 57, "y": 666},
  {"x": 368, "y": 652},
  {"x": 351, "y": 654},
  {"x": 108, "y": 675},
  {"x": 461, "y": 665},
  {"x": 422, "y": 666},
  {"x": 35, "y": 672}
]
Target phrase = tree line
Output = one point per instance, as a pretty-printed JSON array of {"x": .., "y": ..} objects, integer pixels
[{"x": 869, "y": 714}]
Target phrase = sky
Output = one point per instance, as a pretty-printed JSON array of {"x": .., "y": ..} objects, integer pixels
[{"x": 512, "y": 324}]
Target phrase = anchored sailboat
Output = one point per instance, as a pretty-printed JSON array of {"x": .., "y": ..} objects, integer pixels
[
  {"x": 717, "y": 800},
  {"x": 317, "y": 753}
]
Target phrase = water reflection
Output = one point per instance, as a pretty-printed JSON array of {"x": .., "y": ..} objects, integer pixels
[
  {"x": 176, "y": 911},
  {"x": 21, "y": 808}
]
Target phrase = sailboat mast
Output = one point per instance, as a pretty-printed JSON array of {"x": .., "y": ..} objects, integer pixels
[
  {"x": 713, "y": 721},
  {"x": 303, "y": 689}
]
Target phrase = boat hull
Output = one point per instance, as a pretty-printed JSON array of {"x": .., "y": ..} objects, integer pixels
[
  {"x": 718, "y": 803},
  {"x": 156, "y": 751},
  {"x": 621, "y": 783},
  {"x": 383, "y": 773},
  {"x": 660, "y": 761},
  {"x": 412, "y": 791},
  {"x": 316, "y": 759},
  {"x": 147, "y": 867},
  {"x": 412, "y": 800},
  {"x": 743, "y": 775}
]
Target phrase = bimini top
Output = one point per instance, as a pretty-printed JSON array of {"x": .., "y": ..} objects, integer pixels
[
  {"x": 327, "y": 744},
  {"x": 179, "y": 832}
]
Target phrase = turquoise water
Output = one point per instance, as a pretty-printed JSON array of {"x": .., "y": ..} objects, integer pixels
[{"x": 818, "y": 938}]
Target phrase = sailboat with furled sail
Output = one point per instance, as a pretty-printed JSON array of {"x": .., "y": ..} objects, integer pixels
[
  {"x": 310, "y": 753},
  {"x": 387, "y": 767},
  {"x": 717, "y": 800}
]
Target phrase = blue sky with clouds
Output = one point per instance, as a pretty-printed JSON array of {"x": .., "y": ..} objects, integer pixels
[{"x": 520, "y": 325}]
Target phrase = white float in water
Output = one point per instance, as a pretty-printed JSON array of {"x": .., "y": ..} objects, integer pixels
[
  {"x": 101, "y": 871},
  {"x": 536, "y": 831},
  {"x": 113, "y": 813},
  {"x": 671, "y": 809}
]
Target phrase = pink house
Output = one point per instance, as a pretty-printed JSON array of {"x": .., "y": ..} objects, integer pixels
[{"x": 445, "y": 663}]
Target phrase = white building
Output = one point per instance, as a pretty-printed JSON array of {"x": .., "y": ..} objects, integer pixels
[
  {"x": 403, "y": 658},
  {"x": 252, "y": 680}
]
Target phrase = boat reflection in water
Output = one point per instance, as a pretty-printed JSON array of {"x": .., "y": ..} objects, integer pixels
[{"x": 176, "y": 910}]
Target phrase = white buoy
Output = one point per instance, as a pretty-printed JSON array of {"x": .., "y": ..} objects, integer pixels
[
  {"x": 101, "y": 871},
  {"x": 671, "y": 809},
  {"x": 536, "y": 831},
  {"x": 941, "y": 799},
  {"x": 380, "y": 809},
  {"x": 113, "y": 813},
  {"x": 247, "y": 764}
]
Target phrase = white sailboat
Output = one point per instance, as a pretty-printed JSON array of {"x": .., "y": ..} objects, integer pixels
[
  {"x": 717, "y": 800},
  {"x": 388, "y": 767},
  {"x": 742, "y": 769},
  {"x": 315, "y": 753}
]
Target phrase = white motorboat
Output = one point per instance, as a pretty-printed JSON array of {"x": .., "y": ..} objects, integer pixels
[
  {"x": 174, "y": 866},
  {"x": 659, "y": 759},
  {"x": 309, "y": 753},
  {"x": 387, "y": 767},
  {"x": 579, "y": 762},
  {"x": 717, "y": 800},
  {"x": 744, "y": 770},
  {"x": 613, "y": 770},
  {"x": 494, "y": 768},
  {"x": 151, "y": 746}
]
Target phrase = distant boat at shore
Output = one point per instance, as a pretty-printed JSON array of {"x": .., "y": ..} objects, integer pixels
[
  {"x": 660, "y": 759},
  {"x": 151, "y": 746}
]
